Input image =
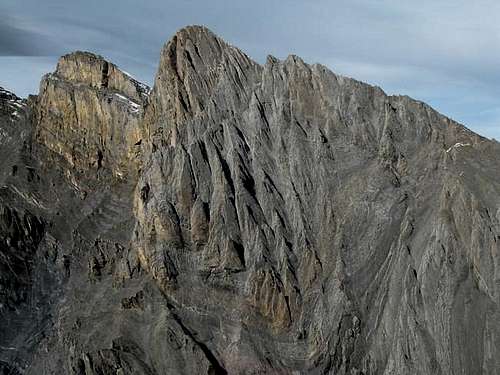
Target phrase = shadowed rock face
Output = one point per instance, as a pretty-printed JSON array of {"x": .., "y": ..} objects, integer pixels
[{"x": 242, "y": 219}]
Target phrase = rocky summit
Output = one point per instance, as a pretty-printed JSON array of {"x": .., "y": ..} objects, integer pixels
[{"x": 240, "y": 218}]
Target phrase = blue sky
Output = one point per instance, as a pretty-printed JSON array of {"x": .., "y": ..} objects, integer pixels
[{"x": 446, "y": 53}]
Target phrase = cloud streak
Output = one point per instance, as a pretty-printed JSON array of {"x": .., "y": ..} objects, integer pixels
[{"x": 18, "y": 41}]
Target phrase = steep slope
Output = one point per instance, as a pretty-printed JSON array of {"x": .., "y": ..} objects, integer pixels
[
  {"x": 243, "y": 219},
  {"x": 90, "y": 113}
]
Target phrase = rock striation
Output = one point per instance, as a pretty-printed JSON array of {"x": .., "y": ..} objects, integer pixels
[
  {"x": 89, "y": 112},
  {"x": 242, "y": 219}
]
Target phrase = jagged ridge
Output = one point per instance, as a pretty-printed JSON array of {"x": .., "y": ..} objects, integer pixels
[{"x": 277, "y": 219}]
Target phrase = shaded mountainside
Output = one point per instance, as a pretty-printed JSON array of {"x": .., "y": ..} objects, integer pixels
[{"x": 242, "y": 219}]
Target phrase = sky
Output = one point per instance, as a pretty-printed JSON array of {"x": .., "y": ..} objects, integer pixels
[{"x": 444, "y": 52}]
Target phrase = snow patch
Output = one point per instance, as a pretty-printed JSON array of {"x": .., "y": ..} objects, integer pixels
[
  {"x": 17, "y": 104},
  {"x": 457, "y": 145},
  {"x": 143, "y": 88},
  {"x": 128, "y": 74},
  {"x": 146, "y": 90},
  {"x": 133, "y": 106}
]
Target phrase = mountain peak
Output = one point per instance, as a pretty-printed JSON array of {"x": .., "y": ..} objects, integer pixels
[
  {"x": 242, "y": 219},
  {"x": 83, "y": 67},
  {"x": 194, "y": 65},
  {"x": 89, "y": 112},
  {"x": 196, "y": 30},
  {"x": 95, "y": 71}
]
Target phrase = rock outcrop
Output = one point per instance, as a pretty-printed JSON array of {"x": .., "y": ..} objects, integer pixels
[
  {"x": 242, "y": 219},
  {"x": 90, "y": 113}
]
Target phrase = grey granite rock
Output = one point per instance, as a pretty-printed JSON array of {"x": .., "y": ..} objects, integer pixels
[{"x": 242, "y": 219}]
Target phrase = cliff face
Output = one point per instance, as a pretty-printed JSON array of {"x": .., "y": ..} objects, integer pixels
[
  {"x": 242, "y": 219},
  {"x": 90, "y": 113}
]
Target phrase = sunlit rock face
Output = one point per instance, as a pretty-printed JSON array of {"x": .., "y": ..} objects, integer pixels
[
  {"x": 242, "y": 219},
  {"x": 90, "y": 113}
]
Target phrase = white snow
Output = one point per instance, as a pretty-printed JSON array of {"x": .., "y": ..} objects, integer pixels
[
  {"x": 145, "y": 88},
  {"x": 17, "y": 104},
  {"x": 134, "y": 107},
  {"x": 457, "y": 145},
  {"x": 128, "y": 74}
]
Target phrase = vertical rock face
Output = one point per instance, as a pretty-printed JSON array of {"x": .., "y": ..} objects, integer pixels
[
  {"x": 282, "y": 220},
  {"x": 292, "y": 203},
  {"x": 90, "y": 113}
]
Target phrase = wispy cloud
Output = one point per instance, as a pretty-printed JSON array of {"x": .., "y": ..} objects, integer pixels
[{"x": 17, "y": 39}]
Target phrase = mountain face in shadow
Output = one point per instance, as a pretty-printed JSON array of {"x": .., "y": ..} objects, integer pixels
[{"x": 240, "y": 218}]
